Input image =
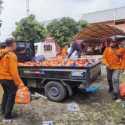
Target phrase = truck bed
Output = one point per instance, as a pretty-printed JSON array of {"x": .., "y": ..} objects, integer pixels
[{"x": 83, "y": 74}]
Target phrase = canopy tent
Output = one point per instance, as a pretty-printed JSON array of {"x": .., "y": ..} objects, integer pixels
[{"x": 98, "y": 31}]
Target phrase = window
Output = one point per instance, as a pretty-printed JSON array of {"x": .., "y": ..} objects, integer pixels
[{"x": 47, "y": 47}]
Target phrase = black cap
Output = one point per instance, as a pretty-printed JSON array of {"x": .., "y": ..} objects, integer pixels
[{"x": 9, "y": 41}]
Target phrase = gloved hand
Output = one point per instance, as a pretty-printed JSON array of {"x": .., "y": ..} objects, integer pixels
[{"x": 21, "y": 85}]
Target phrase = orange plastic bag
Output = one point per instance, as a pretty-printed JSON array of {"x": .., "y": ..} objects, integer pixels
[
  {"x": 22, "y": 96},
  {"x": 122, "y": 89}
]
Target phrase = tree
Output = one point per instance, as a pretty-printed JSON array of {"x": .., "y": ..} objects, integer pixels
[
  {"x": 29, "y": 29},
  {"x": 63, "y": 30},
  {"x": 82, "y": 24}
]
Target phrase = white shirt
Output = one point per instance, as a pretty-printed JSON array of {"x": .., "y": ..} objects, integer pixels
[{"x": 74, "y": 56}]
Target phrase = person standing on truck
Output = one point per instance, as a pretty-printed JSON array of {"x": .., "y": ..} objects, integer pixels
[
  {"x": 9, "y": 78},
  {"x": 77, "y": 46},
  {"x": 112, "y": 58}
]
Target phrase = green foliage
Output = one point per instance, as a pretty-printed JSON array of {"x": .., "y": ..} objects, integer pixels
[
  {"x": 82, "y": 24},
  {"x": 29, "y": 29},
  {"x": 63, "y": 30}
]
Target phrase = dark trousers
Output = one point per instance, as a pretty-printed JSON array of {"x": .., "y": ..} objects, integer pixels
[
  {"x": 109, "y": 77},
  {"x": 113, "y": 77},
  {"x": 8, "y": 97}
]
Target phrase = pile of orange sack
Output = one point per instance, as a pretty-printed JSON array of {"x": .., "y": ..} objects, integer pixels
[{"x": 59, "y": 61}]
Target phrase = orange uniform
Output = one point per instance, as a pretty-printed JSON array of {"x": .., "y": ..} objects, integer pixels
[
  {"x": 111, "y": 58},
  {"x": 8, "y": 67}
]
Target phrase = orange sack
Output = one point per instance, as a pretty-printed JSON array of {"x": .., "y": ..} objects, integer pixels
[
  {"x": 122, "y": 89},
  {"x": 22, "y": 96}
]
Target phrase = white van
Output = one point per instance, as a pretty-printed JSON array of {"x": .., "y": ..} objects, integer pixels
[{"x": 47, "y": 49}]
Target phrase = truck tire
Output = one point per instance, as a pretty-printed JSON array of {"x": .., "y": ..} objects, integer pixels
[{"x": 55, "y": 91}]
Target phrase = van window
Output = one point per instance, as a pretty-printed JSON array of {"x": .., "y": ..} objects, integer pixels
[{"x": 47, "y": 47}]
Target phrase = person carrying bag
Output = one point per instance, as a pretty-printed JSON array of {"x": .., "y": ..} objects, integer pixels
[
  {"x": 9, "y": 78},
  {"x": 112, "y": 58}
]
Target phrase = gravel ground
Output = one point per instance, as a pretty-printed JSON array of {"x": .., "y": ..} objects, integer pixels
[{"x": 94, "y": 109}]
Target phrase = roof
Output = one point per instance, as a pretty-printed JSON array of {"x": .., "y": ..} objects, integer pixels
[{"x": 98, "y": 31}]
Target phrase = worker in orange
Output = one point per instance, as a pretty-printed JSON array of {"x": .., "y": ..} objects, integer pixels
[
  {"x": 9, "y": 77},
  {"x": 112, "y": 58}
]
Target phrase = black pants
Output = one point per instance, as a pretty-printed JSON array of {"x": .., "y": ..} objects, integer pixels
[
  {"x": 113, "y": 77},
  {"x": 109, "y": 77},
  {"x": 8, "y": 97}
]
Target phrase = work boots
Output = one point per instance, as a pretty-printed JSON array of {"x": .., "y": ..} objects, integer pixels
[
  {"x": 115, "y": 96},
  {"x": 110, "y": 90}
]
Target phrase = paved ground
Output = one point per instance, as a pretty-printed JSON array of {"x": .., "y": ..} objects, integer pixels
[{"x": 95, "y": 109}]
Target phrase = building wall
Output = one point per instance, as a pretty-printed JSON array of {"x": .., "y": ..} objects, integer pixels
[{"x": 106, "y": 15}]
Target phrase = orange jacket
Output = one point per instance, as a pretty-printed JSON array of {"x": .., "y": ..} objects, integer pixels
[
  {"x": 8, "y": 67},
  {"x": 112, "y": 58}
]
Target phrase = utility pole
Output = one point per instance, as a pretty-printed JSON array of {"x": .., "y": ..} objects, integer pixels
[
  {"x": 114, "y": 14},
  {"x": 27, "y": 7}
]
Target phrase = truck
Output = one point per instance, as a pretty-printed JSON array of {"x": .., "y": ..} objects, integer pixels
[
  {"x": 57, "y": 82},
  {"x": 60, "y": 82}
]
